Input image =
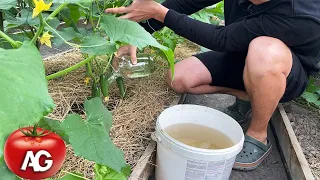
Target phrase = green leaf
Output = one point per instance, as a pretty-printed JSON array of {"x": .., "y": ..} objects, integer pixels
[
  {"x": 54, "y": 23},
  {"x": 90, "y": 138},
  {"x": 5, "y": 172},
  {"x": 125, "y": 31},
  {"x": 26, "y": 18},
  {"x": 67, "y": 34},
  {"x": 310, "y": 97},
  {"x": 54, "y": 125},
  {"x": 106, "y": 173},
  {"x": 312, "y": 87},
  {"x": 74, "y": 13},
  {"x": 24, "y": 91},
  {"x": 7, "y": 4},
  {"x": 71, "y": 176},
  {"x": 96, "y": 45}
]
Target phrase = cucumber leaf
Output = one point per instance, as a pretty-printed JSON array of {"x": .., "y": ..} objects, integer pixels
[
  {"x": 54, "y": 125},
  {"x": 106, "y": 173},
  {"x": 97, "y": 45},
  {"x": 310, "y": 97},
  {"x": 129, "y": 32},
  {"x": 7, "y": 4},
  {"x": 90, "y": 138},
  {"x": 24, "y": 91},
  {"x": 5, "y": 172}
]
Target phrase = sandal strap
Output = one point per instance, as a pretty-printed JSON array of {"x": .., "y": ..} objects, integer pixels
[{"x": 256, "y": 142}]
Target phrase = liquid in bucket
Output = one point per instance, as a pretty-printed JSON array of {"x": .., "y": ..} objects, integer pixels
[{"x": 199, "y": 136}]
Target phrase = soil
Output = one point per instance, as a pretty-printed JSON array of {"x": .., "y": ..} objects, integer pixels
[
  {"x": 306, "y": 125},
  {"x": 133, "y": 117}
]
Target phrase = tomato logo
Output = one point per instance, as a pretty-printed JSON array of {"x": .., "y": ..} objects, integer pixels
[{"x": 34, "y": 153}]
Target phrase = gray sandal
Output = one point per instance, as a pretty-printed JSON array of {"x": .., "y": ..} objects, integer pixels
[{"x": 252, "y": 154}]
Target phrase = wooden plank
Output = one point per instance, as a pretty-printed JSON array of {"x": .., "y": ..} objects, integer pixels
[
  {"x": 297, "y": 164},
  {"x": 146, "y": 164},
  {"x": 145, "y": 167}
]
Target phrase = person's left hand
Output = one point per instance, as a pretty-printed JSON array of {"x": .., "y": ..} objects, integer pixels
[{"x": 141, "y": 10}]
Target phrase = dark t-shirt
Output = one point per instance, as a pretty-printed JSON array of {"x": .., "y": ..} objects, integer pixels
[{"x": 295, "y": 22}]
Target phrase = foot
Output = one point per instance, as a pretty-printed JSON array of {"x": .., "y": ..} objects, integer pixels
[
  {"x": 252, "y": 154},
  {"x": 240, "y": 110}
]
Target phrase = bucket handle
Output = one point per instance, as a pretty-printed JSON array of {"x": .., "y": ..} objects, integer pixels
[{"x": 155, "y": 138}]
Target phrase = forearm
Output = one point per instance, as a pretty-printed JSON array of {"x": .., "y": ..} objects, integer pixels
[{"x": 187, "y": 7}]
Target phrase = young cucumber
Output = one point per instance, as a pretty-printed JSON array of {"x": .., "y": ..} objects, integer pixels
[
  {"x": 121, "y": 87},
  {"x": 95, "y": 90},
  {"x": 104, "y": 85}
]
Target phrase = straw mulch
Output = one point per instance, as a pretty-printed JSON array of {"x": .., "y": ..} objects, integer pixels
[{"x": 133, "y": 117}]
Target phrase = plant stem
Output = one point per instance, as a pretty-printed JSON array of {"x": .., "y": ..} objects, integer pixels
[
  {"x": 40, "y": 30},
  {"x": 69, "y": 69},
  {"x": 56, "y": 11},
  {"x": 14, "y": 43},
  {"x": 53, "y": 30},
  {"x": 1, "y": 22}
]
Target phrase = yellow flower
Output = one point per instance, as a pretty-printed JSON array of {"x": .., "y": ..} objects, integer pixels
[
  {"x": 106, "y": 99},
  {"x": 45, "y": 39},
  {"x": 86, "y": 80},
  {"x": 40, "y": 6}
]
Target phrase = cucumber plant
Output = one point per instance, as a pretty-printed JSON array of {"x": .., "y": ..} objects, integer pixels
[{"x": 25, "y": 100}]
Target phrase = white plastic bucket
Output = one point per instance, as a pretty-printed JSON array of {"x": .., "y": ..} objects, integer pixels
[{"x": 177, "y": 161}]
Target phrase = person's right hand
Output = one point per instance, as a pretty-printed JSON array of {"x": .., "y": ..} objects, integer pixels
[{"x": 130, "y": 50}]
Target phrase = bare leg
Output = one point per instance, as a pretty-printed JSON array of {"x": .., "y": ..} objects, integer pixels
[
  {"x": 191, "y": 76},
  {"x": 268, "y": 64}
]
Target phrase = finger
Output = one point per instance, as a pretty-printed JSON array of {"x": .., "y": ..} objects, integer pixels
[
  {"x": 133, "y": 54},
  {"x": 119, "y": 10},
  {"x": 122, "y": 50},
  {"x": 126, "y": 16}
]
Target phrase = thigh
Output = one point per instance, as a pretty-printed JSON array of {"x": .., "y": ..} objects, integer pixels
[
  {"x": 226, "y": 69},
  {"x": 297, "y": 80}
]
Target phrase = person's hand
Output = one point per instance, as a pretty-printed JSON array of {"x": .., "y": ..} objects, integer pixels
[
  {"x": 141, "y": 10},
  {"x": 130, "y": 50}
]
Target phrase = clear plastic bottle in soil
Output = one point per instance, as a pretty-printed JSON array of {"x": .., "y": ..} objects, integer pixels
[{"x": 144, "y": 67}]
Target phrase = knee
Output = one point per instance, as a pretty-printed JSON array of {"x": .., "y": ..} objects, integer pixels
[
  {"x": 179, "y": 84},
  {"x": 268, "y": 55}
]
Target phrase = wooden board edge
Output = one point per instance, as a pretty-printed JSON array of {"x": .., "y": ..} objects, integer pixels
[
  {"x": 297, "y": 164},
  {"x": 146, "y": 164}
]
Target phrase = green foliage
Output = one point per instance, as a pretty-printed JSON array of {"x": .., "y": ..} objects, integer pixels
[
  {"x": 106, "y": 173},
  {"x": 5, "y": 172},
  {"x": 24, "y": 87},
  {"x": 125, "y": 31},
  {"x": 54, "y": 125},
  {"x": 312, "y": 94},
  {"x": 7, "y": 4},
  {"x": 24, "y": 93},
  {"x": 90, "y": 138},
  {"x": 97, "y": 45}
]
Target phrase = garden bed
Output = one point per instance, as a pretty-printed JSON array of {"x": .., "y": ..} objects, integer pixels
[
  {"x": 306, "y": 125},
  {"x": 133, "y": 117}
]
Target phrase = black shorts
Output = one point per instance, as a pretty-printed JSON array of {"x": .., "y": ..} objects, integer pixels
[{"x": 227, "y": 71}]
